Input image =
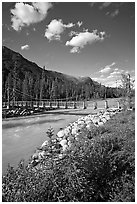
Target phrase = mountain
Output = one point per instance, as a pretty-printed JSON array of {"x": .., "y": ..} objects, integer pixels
[
  {"x": 32, "y": 82},
  {"x": 9, "y": 57}
]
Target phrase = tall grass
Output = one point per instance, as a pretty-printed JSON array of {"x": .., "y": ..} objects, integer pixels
[{"x": 98, "y": 167}]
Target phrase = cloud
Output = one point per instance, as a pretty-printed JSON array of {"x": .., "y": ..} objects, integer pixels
[
  {"x": 114, "y": 13},
  {"x": 105, "y": 5},
  {"x": 73, "y": 33},
  {"x": 114, "y": 83},
  {"x": 107, "y": 68},
  {"x": 81, "y": 39},
  {"x": 116, "y": 74},
  {"x": 116, "y": 69},
  {"x": 25, "y": 14},
  {"x": 25, "y": 47},
  {"x": 56, "y": 28},
  {"x": 114, "y": 77},
  {"x": 79, "y": 23}
]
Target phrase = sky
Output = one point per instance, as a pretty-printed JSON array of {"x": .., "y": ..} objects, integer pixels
[{"x": 90, "y": 39}]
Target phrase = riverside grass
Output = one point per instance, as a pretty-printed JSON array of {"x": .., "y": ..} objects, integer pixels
[{"x": 98, "y": 169}]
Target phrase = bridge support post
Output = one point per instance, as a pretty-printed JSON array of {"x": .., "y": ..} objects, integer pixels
[
  {"x": 43, "y": 105},
  {"x": 95, "y": 105},
  {"x": 118, "y": 105},
  {"x": 38, "y": 105},
  {"x": 8, "y": 105},
  {"x": 57, "y": 104},
  {"x": 50, "y": 104},
  {"x": 66, "y": 105},
  {"x": 84, "y": 105},
  {"x": 106, "y": 104},
  {"x": 75, "y": 106}
]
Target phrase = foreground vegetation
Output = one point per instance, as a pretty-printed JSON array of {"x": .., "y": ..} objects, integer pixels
[{"x": 99, "y": 167}]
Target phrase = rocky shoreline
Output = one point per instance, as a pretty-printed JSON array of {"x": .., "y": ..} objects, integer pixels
[
  {"x": 19, "y": 112},
  {"x": 66, "y": 137}
]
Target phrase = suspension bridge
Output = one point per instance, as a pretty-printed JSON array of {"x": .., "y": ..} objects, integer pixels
[{"x": 10, "y": 102}]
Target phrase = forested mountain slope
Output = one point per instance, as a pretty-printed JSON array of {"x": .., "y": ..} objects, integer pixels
[{"x": 30, "y": 81}]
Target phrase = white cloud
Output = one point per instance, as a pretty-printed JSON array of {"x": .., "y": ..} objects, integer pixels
[
  {"x": 114, "y": 13},
  {"x": 73, "y": 33},
  {"x": 114, "y": 78},
  {"x": 114, "y": 83},
  {"x": 105, "y": 5},
  {"x": 25, "y": 14},
  {"x": 56, "y": 28},
  {"x": 99, "y": 79},
  {"x": 116, "y": 74},
  {"x": 81, "y": 39},
  {"x": 74, "y": 50},
  {"x": 116, "y": 69},
  {"x": 79, "y": 23},
  {"x": 25, "y": 47},
  {"x": 107, "y": 68}
]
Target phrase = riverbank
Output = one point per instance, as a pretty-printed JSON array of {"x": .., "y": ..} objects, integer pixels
[
  {"x": 21, "y": 136},
  {"x": 100, "y": 169}
]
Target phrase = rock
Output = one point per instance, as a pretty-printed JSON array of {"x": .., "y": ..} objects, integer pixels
[
  {"x": 100, "y": 123},
  {"x": 42, "y": 154},
  {"x": 89, "y": 126},
  {"x": 63, "y": 142},
  {"x": 103, "y": 119},
  {"x": 75, "y": 130},
  {"x": 35, "y": 156},
  {"x": 44, "y": 144},
  {"x": 60, "y": 133},
  {"x": 64, "y": 148},
  {"x": 60, "y": 156}
]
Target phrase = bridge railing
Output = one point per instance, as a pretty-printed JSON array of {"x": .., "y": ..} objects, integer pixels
[
  {"x": 62, "y": 104},
  {"x": 44, "y": 104}
]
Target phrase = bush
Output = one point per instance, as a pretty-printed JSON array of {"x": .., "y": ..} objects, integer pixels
[{"x": 100, "y": 169}]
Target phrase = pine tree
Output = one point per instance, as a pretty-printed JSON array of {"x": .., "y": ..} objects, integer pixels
[
  {"x": 54, "y": 89},
  {"x": 42, "y": 82},
  {"x": 37, "y": 88},
  {"x": 25, "y": 88}
]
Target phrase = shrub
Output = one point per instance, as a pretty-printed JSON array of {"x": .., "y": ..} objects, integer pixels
[{"x": 99, "y": 169}]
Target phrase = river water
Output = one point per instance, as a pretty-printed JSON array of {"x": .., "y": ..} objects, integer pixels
[{"x": 21, "y": 136}]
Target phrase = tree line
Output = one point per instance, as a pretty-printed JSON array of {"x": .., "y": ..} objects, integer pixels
[{"x": 45, "y": 87}]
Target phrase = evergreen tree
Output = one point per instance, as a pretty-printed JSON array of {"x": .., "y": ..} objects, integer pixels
[
  {"x": 37, "y": 88},
  {"x": 42, "y": 83},
  {"x": 54, "y": 89},
  {"x": 25, "y": 88}
]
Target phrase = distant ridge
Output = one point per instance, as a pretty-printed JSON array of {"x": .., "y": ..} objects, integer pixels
[
  {"x": 11, "y": 56},
  {"x": 68, "y": 86}
]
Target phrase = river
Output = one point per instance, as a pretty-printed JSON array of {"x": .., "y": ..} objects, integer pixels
[{"x": 21, "y": 136}]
